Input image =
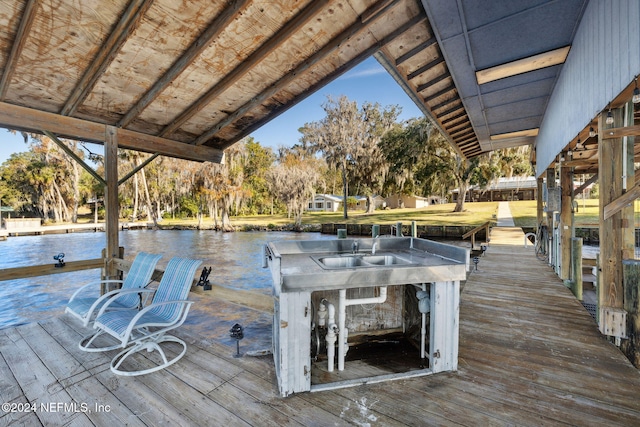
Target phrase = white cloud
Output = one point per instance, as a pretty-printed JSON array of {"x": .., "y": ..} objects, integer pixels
[{"x": 367, "y": 72}]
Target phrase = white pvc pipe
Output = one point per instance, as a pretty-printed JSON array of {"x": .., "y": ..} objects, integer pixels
[
  {"x": 342, "y": 311},
  {"x": 423, "y": 331},
  {"x": 331, "y": 336}
]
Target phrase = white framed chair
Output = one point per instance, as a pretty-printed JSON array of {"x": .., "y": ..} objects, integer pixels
[
  {"x": 86, "y": 301},
  {"x": 146, "y": 329}
]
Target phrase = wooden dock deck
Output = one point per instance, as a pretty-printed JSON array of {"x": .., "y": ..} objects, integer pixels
[{"x": 530, "y": 354}]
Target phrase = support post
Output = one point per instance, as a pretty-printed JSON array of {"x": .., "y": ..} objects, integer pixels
[
  {"x": 576, "y": 266},
  {"x": 631, "y": 347},
  {"x": 616, "y": 232},
  {"x": 540, "y": 203},
  {"x": 566, "y": 220},
  {"x": 111, "y": 196}
]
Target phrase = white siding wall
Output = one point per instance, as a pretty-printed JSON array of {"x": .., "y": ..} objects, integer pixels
[{"x": 604, "y": 59}]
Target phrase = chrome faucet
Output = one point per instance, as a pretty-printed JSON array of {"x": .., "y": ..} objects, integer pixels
[
  {"x": 373, "y": 248},
  {"x": 354, "y": 247}
]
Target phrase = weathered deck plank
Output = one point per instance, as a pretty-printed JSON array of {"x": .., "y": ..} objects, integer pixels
[{"x": 529, "y": 355}]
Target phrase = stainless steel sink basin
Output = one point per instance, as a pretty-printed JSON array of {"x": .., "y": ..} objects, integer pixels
[
  {"x": 384, "y": 260},
  {"x": 341, "y": 261},
  {"x": 359, "y": 260}
]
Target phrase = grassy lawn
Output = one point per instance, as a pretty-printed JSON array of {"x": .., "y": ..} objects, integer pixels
[
  {"x": 475, "y": 214},
  {"x": 524, "y": 213}
]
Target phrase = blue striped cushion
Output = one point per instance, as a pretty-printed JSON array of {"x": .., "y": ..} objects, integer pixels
[
  {"x": 81, "y": 306},
  {"x": 118, "y": 321},
  {"x": 174, "y": 285},
  {"x": 138, "y": 276}
]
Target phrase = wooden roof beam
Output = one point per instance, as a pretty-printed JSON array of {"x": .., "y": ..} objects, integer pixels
[
  {"x": 621, "y": 202},
  {"x": 450, "y": 110},
  {"x": 118, "y": 37},
  {"x": 338, "y": 72},
  {"x": 246, "y": 65},
  {"x": 22, "y": 118},
  {"x": 439, "y": 93},
  {"x": 303, "y": 67},
  {"x": 416, "y": 50},
  {"x": 432, "y": 82},
  {"x": 439, "y": 60},
  {"x": 24, "y": 27},
  {"x": 613, "y": 133},
  {"x": 446, "y": 102},
  {"x": 463, "y": 113},
  {"x": 587, "y": 183},
  {"x": 201, "y": 43}
]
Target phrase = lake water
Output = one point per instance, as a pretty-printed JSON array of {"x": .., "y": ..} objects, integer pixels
[{"x": 235, "y": 258}]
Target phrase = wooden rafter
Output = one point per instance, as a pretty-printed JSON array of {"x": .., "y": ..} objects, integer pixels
[
  {"x": 300, "y": 69},
  {"x": 432, "y": 82},
  {"x": 451, "y": 119},
  {"x": 16, "y": 49},
  {"x": 246, "y": 65},
  {"x": 439, "y": 93},
  {"x": 201, "y": 43},
  {"x": 413, "y": 52},
  {"x": 338, "y": 72},
  {"x": 451, "y": 110},
  {"x": 127, "y": 23},
  {"x": 446, "y": 102},
  {"x": 439, "y": 60},
  {"x": 16, "y": 117}
]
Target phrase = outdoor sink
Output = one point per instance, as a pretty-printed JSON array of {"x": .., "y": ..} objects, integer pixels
[
  {"x": 359, "y": 260},
  {"x": 384, "y": 260},
  {"x": 341, "y": 261},
  {"x": 313, "y": 265}
]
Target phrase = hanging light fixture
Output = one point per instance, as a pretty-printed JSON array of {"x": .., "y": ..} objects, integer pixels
[
  {"x": 592, "y": 132},
  {"x": 579, "y": 144},
  {"x": 636, "y": 93},
  {"x": 609, "y": 119}
]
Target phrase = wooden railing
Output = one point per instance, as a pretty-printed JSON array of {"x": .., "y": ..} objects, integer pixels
[
  {"x": 45, "y": 270},
  {"x": 486, "y": 226}
]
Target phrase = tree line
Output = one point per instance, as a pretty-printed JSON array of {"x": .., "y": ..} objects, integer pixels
[{"x": 353, "y": 150}]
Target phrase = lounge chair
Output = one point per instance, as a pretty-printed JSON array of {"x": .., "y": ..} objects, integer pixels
[
  {"x": 86, "y": 307},
  {"x": 146, "y": 329}
]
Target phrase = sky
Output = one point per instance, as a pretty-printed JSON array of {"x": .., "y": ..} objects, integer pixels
[{"x": 367, "y": 82}]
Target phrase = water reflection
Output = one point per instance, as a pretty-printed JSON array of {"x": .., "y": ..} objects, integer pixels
[{"x": 235, "y": 258}]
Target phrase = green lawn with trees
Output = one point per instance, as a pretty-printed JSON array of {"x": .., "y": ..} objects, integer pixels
[{"x": 355, "y": 150}]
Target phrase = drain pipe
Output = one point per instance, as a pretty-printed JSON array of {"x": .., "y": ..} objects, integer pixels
[
  {"x": 424, "y": 307},
  {"x": 332, "y": 330},
  {"x": 342, "y": 310}
]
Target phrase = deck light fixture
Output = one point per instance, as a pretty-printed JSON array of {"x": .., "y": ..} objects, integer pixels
[
  {"x": 609, "y": 119},
  {"x": 636, "y": 93},
  {"x": 237, "y": 333},
  {"x": 592, "y": 132}
]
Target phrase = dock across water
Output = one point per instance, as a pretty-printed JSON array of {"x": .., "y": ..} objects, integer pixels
[{"x": 529, "y": 354}]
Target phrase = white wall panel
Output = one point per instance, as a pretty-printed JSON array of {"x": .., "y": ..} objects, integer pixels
[{"x": 604, "y": 59}]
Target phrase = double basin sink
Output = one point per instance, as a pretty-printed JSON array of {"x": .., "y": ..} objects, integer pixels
[{"x": 359, "y": 260}]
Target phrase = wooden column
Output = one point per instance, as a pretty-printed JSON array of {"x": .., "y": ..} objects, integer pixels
[
  {"x": 616, "y": 232},
  {"x": 566, "y": 221},
  {"x": 111, "y": 196},
  {"x": 540, "y": 203}
]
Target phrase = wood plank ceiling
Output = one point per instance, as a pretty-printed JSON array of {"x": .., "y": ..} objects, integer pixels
[{"x": 189, "y": 79}]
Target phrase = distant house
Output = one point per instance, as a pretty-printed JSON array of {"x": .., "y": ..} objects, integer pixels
[
  {"x": 505, "y": 189},
  {"x": 404, "y": 201},
  {"x": 333, "y": 203},
  {"x": 324, "y": 203}
]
